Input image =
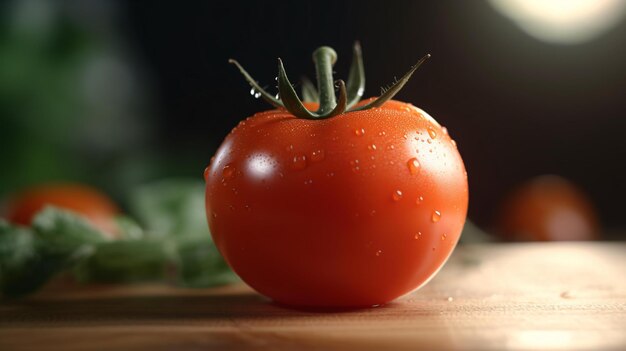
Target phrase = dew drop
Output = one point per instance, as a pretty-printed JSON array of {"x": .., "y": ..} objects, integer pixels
[
  {"x": 390, "y": 147},
  {"x": 382, "y": 133},
  {"x": 252, "y": 91},
  {"x": 432, "y": 133},
  {"x": 371, "y": 147},
  {"x": 289, "y": 148},
  {"x": 419, "y": 200},
  {"x": 444, "y": 130},
  {"x": 206, "y": 173},
  {"x": 228, "y": 172},
  {"x": 299, "y": 162},
  {"x": 330, "y": 174},
  {"x": 396, "y": 195},
  {"x": 414, "y": 166},
  {"x": 453, "y": 142},
  {"x": 436, "y": 216},
  {"x": 308, "y": 182},
  {"x": 317, "y": 155},
  {"x": 418, "y": 235},
  {"x": 257, "y": 95},
  {"x": 359, "y": 132},
  {"x": 443, "y": 237},
  {"x": 379, "y": 252}
]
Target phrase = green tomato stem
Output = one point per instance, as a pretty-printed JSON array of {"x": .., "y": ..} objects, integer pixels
[{"x": 324, "y": 58}]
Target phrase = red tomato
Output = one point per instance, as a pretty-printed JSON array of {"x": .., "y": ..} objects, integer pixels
[
  {"x": 84, "y": 200},
  {"x": 353, "y": 210},
  {"x": 547, "y": 208}
]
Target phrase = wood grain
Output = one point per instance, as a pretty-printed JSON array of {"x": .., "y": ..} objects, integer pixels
[{"x": 561, "y": 296}]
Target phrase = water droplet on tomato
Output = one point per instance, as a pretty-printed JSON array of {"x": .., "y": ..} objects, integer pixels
[
  {"x": 453, "y": 142},
  {"x": 443, "y": 237},
  {"x": 317, "y": 155},
  {"x": 330, "y": 174},
  {"x": 390, "y": 147},
  {"x": 289, "y": 148},
  {"x": 382, "y": 133},
  {"x": 308, "y": 182},
  {"x": 299, "y": 162},
  {"x": 371, "y": 147},
  {"x": 379, "y": 252},
  {"x": 444, "y": 130},
  {"x": 414, "y": 166},
  {"x": 214, "y": 215},
  {"x": 397, "y": 195},
  {"x": 247, "y": 207},
  {"x": 372, "y": 212},
  {"x": 419, "y": 200},
  {"x": 359, "y": 132},
  {"x": 418, "y": 235},
  {"x": 436, "y": 216},
  {"x": 228, "y": 172},
  {"x": 432, "y": 133},
  {"x": 206, "y": 173}
]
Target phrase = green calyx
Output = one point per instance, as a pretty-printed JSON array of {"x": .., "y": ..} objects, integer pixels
[{"x": 329, "y": 104}]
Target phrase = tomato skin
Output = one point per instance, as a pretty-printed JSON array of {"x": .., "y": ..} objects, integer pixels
[
  {"x": 547, "y": 208},
  {"x": 82, "y": 199},
  {"x": 350, "y": 211}
]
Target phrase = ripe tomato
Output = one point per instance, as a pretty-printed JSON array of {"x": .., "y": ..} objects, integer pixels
[
  {"x": 547, "y": 208},
  {"x": 87, "y": 201},
  {"x": 346, "y": 210},
  {"x": 354, "y": 210}
]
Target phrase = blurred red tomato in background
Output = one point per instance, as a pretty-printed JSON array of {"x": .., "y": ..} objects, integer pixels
[
  {"x": 97, "y": 207},
  {"x": 547, "y": 208}
]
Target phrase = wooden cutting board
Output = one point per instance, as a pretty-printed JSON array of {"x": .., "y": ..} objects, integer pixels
[{"x": 557, "y": 296}]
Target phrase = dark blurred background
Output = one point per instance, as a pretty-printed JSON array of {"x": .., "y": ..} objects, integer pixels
[{"x": 116, "y": 93}]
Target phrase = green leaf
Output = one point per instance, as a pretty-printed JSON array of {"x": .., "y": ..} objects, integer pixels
[
  {"x": 23, "y": 269},
  {"x": 201, "y": 265},
  {"x": 171, "y": 208},
  {"x": 16, "y": 244},
  {"x": 64, "y": 232},
  {"x": 128, "y": 228},
  {"x": 30, "y": 257},
  {"x": 127, "y": 261}
]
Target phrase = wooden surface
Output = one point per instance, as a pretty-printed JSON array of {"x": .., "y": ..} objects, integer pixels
[{"x": 516, "y": 296}]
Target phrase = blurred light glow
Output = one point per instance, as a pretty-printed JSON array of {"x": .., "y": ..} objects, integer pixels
[{"x": 563, "y": 21}]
